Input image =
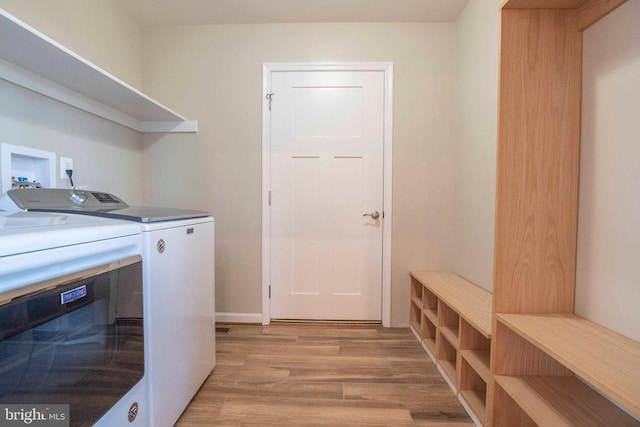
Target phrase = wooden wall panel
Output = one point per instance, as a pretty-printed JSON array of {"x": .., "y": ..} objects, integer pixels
[
  {"x": 515, "y": 356},
  {"x": 538, "y": 157},
  {"x": 594, "y": 10},
  {"x": 509, "y": 413},
  {"x": 542, "y": 4}
]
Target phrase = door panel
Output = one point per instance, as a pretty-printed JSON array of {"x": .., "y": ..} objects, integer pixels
[
  {"x": 305, "y": 210},
  {"x": 347, "y": 211},
  {"x": 326, "y": 172}
]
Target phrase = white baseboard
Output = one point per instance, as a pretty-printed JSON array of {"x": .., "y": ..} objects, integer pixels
[
  {"x": 466, "y": 406},
  {"x": 239, "y": 318},
  {"x": 447, "y": 379}
]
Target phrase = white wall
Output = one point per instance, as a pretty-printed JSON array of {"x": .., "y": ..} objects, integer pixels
[
  {"x": 106, "y": 156},
  {"x": 213, "y": 74},
  {"x": 476, "y": 107},
  {"x": 608, "y": 267}
]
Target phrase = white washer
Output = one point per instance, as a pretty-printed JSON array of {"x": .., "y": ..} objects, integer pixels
[
  {"x": 181, "y": 309},
  {"x": 178, "y": 267},
  {"x": 40, "y": 254}
]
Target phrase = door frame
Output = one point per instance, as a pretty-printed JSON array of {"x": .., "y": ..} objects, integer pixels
[{"x": 387, "y": 69}]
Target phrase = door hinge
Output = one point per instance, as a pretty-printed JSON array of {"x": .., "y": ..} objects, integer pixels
[
  {"x": 269, "y": 291},
  {"x": 269, "y": 96},
  {"x": 382, "y": 214},
  {"x": 269, "y": 197}
]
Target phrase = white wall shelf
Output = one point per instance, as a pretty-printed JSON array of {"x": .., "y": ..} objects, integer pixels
[{"x": 32, "y": 60}]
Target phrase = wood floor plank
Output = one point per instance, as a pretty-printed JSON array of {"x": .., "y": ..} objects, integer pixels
[
  {"x": 424, "y": 372},
  {"x": 298, "y": 375},
  {"x": 320, "y": 331},
  {"x": 345, "y": 376},
  {"x": 230, "y": 358},
  {"x": 261, "y": 339},
  {"x": 275, "y": 388},
  {"x": 396, "y": 350},
  {"x": 260, "y": 373},
  {"x": 235, "y": 330},
  {"x": 203, "y": 410},
  {"x": 394, "y": 333},
  {"x": 364, "y": 342},
  {"x": 316, "y": 362},
  {"x": 246, "y": 421},
  {"x": 425, "y": 401},
  {"x": 324, "y": 368},
  {"x": 281, "y": 349},
  {"x": 334, "y": 412}
]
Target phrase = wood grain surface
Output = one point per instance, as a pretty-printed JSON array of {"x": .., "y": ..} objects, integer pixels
[
  {"x": 463, "y": 297},
  {"x": 319, "y": 376},
  {"x": 542, "y": 4},
  {"x": 563, "y": 401},
  {"x": 594, "y": 10},
  {"x": 538, "y": 156},
  {"x": 603, "y": 358}
]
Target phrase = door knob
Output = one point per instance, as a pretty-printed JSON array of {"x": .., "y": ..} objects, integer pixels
[{"x": 373, "y": 215}]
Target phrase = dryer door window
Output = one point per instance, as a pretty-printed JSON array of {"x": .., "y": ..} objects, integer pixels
[{"x": 80, "y": 343}]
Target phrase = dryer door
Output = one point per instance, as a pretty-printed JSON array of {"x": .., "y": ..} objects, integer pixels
[{"x": 79, "y": 343}]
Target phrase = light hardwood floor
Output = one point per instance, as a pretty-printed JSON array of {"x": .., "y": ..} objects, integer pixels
[{"x": 310, "y": 375}]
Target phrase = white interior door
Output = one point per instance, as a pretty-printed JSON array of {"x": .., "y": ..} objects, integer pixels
[{"x": 326, "y": 173}]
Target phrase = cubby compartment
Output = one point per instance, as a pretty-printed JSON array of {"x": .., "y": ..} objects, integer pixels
[
  {"x": 473, "y": 389},
  {"x": 416, "y": 293},
  {"x": 510, "y": 414},
  {"x": 447, "y": 355},
  {"x": 430, "y": 305},
  {"x": 428, "y": 333},
  {"x": 415, "y": 313},
  {"x": 547, "y": 355},
  {"x": 475, "y": 348},
  {"x": 449, "y": 323}
]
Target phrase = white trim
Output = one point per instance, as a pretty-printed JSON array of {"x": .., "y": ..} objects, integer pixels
[
  {"x": 424, "y": 346},
  {"x": 266, "y": 186},
  {"x": 447, "y": 379},
  {"x": 387, "y": 195},
  {"x": 387, "y": 68},
  {"x": 186, "y": 126},
  {"x": 472, "y": 415},
  {"x": 239, "y": 317}
]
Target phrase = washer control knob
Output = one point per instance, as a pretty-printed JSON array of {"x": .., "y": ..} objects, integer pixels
[{"x": 78, "y": 197}]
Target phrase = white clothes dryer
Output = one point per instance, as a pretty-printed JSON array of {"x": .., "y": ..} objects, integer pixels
[
  {"x": 72, "y": 317},
  {"x": 178, "y": 268}
]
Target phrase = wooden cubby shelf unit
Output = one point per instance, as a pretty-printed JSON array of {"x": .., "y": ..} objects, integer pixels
[
  {"x": 455, "y": 329},
  {"x": 549, "y": 367},
  {"x": 570, "y": 347}
]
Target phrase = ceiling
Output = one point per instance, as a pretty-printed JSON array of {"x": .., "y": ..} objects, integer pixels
[{"x": 199, "y": 12}]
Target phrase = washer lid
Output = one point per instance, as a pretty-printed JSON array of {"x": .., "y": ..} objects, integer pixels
[
  {"x": 95, "y": 203},
  {"x": 59, "y": 198},
  {"x": 138, "y": 214},
  {"x": 35, "y": 231}
]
